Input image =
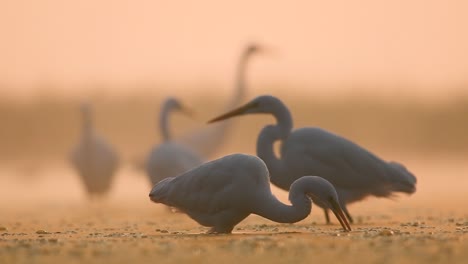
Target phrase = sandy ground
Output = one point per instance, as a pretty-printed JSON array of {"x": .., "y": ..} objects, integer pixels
[
  {"x": 43, "y": 223},
  {"x": 45, "y": 217}
]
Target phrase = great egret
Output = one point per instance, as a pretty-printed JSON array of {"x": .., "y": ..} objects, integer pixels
[
  {"x": 221, "y": 193},
  {"x": 355, "y": 172},
  {"x": 94, "y": 159},
  {"x": 208, "y": 140},
  {"x": 170, "y": 158}
]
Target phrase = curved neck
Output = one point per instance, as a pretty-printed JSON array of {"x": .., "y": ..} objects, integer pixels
[
  {"x": 265, "y": 150},
  {"x": 87, "y": 125},
  {"x": 208, "y": 140},
  {"x": 283, "y": 118},
  {"x": 271, "y": 208},
  {"x": 164, "y": 122},
  {"x": 265, "y": 145}
]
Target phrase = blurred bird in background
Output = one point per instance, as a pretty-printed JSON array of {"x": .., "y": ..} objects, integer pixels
[
  {"x": 170, "y": 158},
  {"x": 95, "y": 161}
]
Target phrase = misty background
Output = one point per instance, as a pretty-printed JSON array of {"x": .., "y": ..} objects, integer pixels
[{"x": 389, "y": 75}]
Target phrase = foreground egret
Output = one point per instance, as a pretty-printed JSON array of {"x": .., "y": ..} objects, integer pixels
[
  {"x": 221, "y": 193},
  {"x": 208, "y": 140},
  {"x": 170, "y": 158},
  {"x": 355, "y": 172},
  {"x": 94, "y": 159}
]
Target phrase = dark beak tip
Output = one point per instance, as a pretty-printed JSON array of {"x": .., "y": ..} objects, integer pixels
[{"x": 336, "y": 209}]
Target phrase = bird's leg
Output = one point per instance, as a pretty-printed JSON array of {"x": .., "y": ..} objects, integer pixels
[
  {"x": 327, "y": 216},
  {"x": 348, "y": 215}
]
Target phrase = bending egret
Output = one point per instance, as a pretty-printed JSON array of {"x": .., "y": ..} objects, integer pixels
[
  {"x": 170, "y": 158},
  {"x": 94, "y": 159},
  {"x": 221, "y": 193},
  {"x": 208, "y": 140},
  {"x": 355, "y": 172}
]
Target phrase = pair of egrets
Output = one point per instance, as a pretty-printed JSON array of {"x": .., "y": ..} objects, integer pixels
[{"x": 223, "y": 192}]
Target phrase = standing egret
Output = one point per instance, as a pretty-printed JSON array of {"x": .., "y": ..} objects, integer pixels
[
  {"x": 355, "y": 172},
  {"x": 94, "y": 159},
  {"x": 170, "y": 158},
  {"x": 208, "y": 140},
  {"x": 221, "y": 193}
]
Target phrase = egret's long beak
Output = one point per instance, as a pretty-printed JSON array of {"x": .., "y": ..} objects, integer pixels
[
  {"x": 268, "y": 51},
  {"x": 338, "y": 212},
  {"x": 187, "y": 111},
  {"x": 236, "y": 112}
]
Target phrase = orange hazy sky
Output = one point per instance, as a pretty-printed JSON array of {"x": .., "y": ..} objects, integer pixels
[{"x": 336, "y": 42}]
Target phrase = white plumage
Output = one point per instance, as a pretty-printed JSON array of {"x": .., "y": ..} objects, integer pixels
[
  {"x": 208, "y": 140},
  {"x": 175, "y": 156},
  {"x": 221, "y": 193},
  {"x": 354, "y": 171},
  {"x": 170, "y": 158},
  {"x": 94, "y": 159}
]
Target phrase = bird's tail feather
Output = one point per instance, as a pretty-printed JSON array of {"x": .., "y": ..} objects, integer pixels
[
  {"x": 401, "y": 179},
  {"x": 160, "y": 191}
]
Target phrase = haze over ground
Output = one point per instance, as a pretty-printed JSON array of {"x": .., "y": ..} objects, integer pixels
[
  {"x": 372, "y": 71},
  {"x": 416, "y": 46}
]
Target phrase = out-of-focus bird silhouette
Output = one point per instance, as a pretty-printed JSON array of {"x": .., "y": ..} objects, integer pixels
[
  {"x": 170, "y": 158},
  {"x": 221, "y": 193},
  {"x": 191, "y": 149},
  {"x": 355, "y": 172},
  {"x": 207, "y": 140},
  {"x": 94, "y": 159}
]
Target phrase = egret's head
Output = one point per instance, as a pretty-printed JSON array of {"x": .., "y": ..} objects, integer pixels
[
  {"x": 252, "y": 48},
  {"x": 173, "y": 104},
  {"x": 323, "y": 194},
  {"x": 263, "y": 104},
  {"x": 256, "y": 48}
]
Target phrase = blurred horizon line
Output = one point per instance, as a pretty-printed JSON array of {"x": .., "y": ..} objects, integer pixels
[{"x": 179, "y": 88}]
